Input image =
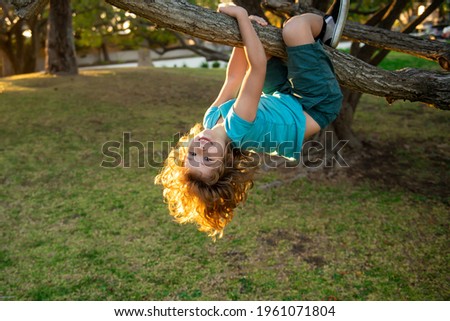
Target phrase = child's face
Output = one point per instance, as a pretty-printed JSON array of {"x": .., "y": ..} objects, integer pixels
[{"x": 205, "y": 153}]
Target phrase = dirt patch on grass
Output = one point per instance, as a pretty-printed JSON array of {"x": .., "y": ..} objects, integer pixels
[
  {"x": 422, "y": 169},
  {"x": 293, "y": 243}
]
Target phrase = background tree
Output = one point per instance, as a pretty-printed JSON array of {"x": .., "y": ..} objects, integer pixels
[
  {"x": 60, "y": 48},
  {"x": 95, "y": 24},
  {"x": 385, "y": 16},
  {"x": 163, "y": 40},
  {"x": 99, "y": 25},
  {"x": 20, "y": 40}
]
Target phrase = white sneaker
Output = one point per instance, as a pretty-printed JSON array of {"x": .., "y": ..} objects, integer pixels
[{"x": 335, "y": 19}]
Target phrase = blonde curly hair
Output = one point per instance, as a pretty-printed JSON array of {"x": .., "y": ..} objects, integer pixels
[{"x": 210, "y": 203}]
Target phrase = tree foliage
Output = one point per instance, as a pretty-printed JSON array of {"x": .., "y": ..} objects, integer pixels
[{"x": 98, "y": 25}]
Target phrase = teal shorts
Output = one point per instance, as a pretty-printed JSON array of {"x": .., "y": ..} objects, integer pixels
[{"x": 308, "y": 75}]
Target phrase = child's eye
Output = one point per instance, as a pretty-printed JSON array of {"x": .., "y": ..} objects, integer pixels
[
  {"x": 206, "y": 158},
  {"x": 193, "y": 153}
]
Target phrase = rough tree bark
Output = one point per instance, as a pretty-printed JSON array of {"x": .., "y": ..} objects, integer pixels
[
  {"x": 28, "y": 8},
  {"x": 60, "y": 48}
]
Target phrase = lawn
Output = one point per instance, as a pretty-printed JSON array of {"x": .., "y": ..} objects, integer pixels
[{"x": 72, "y": 230}]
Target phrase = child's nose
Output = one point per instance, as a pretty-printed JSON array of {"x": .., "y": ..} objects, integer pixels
[
  {"x": 203, "y": 143},
  {"x": 199, "y": 150}
]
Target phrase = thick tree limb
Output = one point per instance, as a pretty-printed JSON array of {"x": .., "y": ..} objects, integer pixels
[
  {"x": 28, "y": 8},
  {"x": 411, "y": 84},
  {"x": 396, "y": 41},
  {"x": 378, "y": 37},
  {"x": 414, "y": 85}
]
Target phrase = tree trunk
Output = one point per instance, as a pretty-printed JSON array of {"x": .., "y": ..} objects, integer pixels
[
  {"x": 7, "y": 66},
  {"x": 31, "y": 51},
  {"x": 105, "y": 53},
  {"x": 19, "y": 52},
  {"x": 60, "y": 49},
  {"x": 342, "y": 127},
  {"x": 18, "y": 57}
]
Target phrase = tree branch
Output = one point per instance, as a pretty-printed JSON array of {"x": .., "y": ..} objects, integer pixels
[
  {"x": 409, "y": 28},
  {"x": 378, "y": 37},
  {"x": 411, "y": 84},
  {"x": 28, "y": 8},
  {"x": 199, "y": 49}
]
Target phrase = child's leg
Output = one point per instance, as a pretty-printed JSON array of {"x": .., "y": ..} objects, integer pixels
[
  {"x": 310, "y": 72},
  {"x": 277, "y": 71},
  {"x": 302, "y": 30},
  {"x": 298, "y": 31},
  {"x": 276, "y": 75}
]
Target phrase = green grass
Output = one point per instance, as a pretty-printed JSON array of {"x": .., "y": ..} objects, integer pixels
[
  {"x": 396, "y": 60},
  {"x": 71, "y": 230}
]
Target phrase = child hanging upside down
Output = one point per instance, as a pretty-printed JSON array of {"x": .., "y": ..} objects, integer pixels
[{"x": 264, "y": 106}]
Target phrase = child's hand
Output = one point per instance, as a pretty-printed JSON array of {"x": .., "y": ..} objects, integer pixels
[
  {"x": 232, "y": 10},
  {"x": 258, "y": 20}
]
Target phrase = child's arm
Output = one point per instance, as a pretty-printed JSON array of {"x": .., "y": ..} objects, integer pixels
[
  {"x": 247, "y": 101},
  {"x": 237, "y": 67}
]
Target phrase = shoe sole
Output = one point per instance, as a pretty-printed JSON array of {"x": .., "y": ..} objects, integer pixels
[{"x": 340, "y": 23}]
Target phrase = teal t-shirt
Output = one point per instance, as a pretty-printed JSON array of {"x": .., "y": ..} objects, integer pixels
[{"x": 279, "y": 125}]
